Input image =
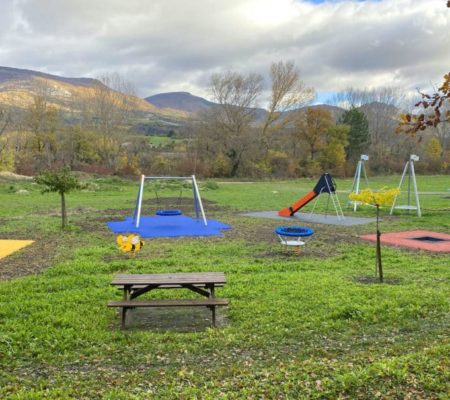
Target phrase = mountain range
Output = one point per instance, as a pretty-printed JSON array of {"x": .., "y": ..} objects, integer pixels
[
  {"x": 18, "y": 88},
  {"x": 160, "y": 112}
]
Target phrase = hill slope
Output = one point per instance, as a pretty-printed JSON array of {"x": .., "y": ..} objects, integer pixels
[
  {"x": 182, "y": 101},
  {"x": 18, "y": 88}
]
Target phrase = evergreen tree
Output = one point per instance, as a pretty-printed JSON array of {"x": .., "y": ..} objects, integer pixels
[{"x": 358, "y": 136}]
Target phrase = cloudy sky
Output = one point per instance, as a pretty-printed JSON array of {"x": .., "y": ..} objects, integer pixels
[{"x": 175, "y": 45}]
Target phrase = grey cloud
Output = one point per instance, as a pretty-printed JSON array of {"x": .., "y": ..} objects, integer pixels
[{"x": 174, "y": 44}]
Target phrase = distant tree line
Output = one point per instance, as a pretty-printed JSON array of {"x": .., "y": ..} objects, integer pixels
[{"x": 292, "y": 138}]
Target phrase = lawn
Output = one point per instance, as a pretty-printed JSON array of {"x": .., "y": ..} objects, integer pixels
[{"x": 313, "y": 326}]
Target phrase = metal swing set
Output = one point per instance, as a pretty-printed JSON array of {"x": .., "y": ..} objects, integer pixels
[{"x": 198, "y": 205}]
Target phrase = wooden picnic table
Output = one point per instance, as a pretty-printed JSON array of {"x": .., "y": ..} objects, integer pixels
[{"x": 135, "y": 285}]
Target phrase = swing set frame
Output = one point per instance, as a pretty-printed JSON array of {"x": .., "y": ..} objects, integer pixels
[{"x": 198, "y": 205}]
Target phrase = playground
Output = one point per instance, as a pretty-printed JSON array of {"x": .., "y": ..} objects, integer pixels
[{"x": 315, "y": 323}]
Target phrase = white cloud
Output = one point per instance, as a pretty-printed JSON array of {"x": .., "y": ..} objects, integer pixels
[{"x": 168, "y": 45}]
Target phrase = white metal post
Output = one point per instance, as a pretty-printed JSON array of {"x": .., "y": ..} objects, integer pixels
[
  {"x": 416, "y": 192},
  {"x": 141, "y": 191},
  {"x": 357, "y": 178},
  {"x": 399, "y": 186},
  {"x": 199, "y": 199}
]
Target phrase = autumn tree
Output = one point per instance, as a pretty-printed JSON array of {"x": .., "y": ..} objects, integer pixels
[
  {"x": 312, "y": 127},
  {"x": 61, "y": 181},
  {"x": 384, "y": 197},
  {"x": 435, "y": 112},
  {"x": 333, "y": 155},
  {"x": 5, "y": 121},
  {"x": 108, "y": 111},
  {"x": 78, "y": 146}
]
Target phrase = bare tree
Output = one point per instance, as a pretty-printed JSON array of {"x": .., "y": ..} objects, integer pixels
[
  {"x": 111, "y": 103},
  {"x": 231, "y": 121},
  {"x": 42, "y": 119},
  {"x": 353, "y": 98},
  {"x": 5, "y": 121},
  {"x": 108, "y": 110},
  {"x": 288, "y": 92}
]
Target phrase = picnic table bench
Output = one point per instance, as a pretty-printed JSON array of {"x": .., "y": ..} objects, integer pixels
[{"x": 135, "y": 285}]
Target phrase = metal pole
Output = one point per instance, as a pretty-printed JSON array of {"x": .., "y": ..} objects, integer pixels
[
  {"x": 416, "y": 192},
  {"x": 141, "y": 191},
  {"x": 365, "y": 174},
  {"x": 400, "y": 187},
  {"x": 168, "y": 177},
  {"x": 195, "y": 200},
  {"x": 409, "y": 184},
  {"x": 358, "y": 178},
  {"x": 199, "y": 200}
]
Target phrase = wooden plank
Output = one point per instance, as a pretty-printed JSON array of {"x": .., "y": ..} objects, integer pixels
[
  {"x": 170, "y": 279},
  {"x": 172, "y": 286},
  {"x": 169, "y": 303}
]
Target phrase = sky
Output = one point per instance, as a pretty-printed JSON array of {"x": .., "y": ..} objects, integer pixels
[{"x": 176, "y": 45}]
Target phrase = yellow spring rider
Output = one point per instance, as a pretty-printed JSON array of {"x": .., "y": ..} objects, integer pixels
[{"x": 129, "y": 244}]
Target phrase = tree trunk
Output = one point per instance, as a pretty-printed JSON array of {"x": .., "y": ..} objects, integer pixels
[
  {"x": 63, "y": 210},
  {"x": 378, "y": 256}
]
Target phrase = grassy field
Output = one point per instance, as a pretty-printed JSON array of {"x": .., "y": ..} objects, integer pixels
[{"x": 314, "y": 326}]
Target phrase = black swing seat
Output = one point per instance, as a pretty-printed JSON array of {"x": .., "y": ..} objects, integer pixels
[{"x": 168, "y": 213}]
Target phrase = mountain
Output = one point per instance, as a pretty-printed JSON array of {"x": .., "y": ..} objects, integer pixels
[
  {"x": 11, "y": 75},
  {"x": 182, "y": 101},
  {"x": 376, "y": 107},
  {"x": 19, "y": 87},
  {"x": 335, "y": 111},
  {"x": 186, "y": 102}
]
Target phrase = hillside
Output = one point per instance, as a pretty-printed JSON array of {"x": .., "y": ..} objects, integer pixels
[
  {"x": 18, "y": 88},
  {"x": 182, "y": 101}
]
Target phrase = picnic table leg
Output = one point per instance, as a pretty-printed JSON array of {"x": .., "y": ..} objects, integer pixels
[
  {"x": 212, "y": 308},
  {"x": 126, "y": 296},
  {"x": 213, "y": 312}
]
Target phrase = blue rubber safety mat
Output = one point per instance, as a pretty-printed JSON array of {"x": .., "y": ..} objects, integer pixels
[{"x": 169, "y": 226}]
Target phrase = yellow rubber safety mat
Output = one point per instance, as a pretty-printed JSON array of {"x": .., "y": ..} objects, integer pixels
[{"x": 8, "y": 247}]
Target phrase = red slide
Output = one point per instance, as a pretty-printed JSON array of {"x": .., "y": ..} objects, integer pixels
[
  {"x": 290, "y": 211},
  {"x": 324, "y": 185}
]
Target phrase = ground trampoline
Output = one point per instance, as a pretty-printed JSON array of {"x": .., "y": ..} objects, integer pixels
[{"x": 418, "y": 239}]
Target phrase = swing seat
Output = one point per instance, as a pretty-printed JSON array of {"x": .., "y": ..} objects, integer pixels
[
  {"x": 168, "y": 213},
  {"x": 291, "y": 236}
]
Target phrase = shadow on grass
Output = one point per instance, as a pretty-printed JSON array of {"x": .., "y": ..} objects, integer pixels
[
  {"x": 371, "y": 280},
  {"x": 182, "y": 320}
]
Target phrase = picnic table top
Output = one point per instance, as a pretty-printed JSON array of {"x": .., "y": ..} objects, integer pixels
[{"x": 183, "y": 278}]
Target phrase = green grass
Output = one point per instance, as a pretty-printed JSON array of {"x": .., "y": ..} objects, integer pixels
[
  {"x": 161, "y": 141},
  {"x": 296, "y": 328}
]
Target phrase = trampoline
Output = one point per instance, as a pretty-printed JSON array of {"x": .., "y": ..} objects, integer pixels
[
  {"x": 291, "y": 236},
  {"x": 294, "y": 231},
  {"x": 168, "y": 213}
]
